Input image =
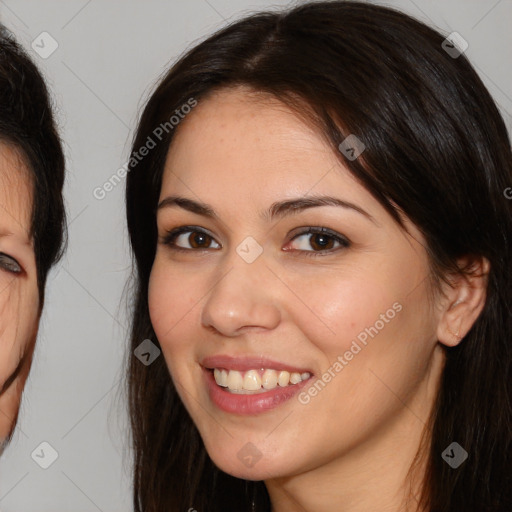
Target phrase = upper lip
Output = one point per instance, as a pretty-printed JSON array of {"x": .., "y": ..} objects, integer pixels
[{"x": 245, "y": 363}]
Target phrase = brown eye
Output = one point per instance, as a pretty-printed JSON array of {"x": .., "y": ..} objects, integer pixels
[
  {"x": 188, "y": 238},
  {"x": 318, "y": 241},
  {"x": 199, "y": 240}
]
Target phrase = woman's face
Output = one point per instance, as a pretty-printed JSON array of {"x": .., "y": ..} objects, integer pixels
[
  {"x": 19, "y": 300},
  {"x": 247, "y": 283}
]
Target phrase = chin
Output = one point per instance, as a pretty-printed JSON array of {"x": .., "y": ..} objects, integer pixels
[
  {"x": 262, "y": 470},
  {"x": 248, "y": 462}
]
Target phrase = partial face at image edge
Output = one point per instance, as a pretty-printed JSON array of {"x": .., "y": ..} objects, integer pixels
[{"x": 19, "y": 299}]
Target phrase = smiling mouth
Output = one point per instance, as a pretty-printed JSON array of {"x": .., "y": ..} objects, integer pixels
[{"x": 256, "y": 381}]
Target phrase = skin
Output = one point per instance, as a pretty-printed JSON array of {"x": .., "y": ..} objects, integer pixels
[
  {"x": 351, "y": 446},
  {"x": 19, "y": 301}
]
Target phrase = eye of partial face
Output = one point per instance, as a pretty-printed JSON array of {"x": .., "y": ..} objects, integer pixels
[{"x": 9, "y": 263}]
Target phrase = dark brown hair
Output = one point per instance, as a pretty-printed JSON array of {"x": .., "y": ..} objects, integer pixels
[{"x": 437, "y": 150}]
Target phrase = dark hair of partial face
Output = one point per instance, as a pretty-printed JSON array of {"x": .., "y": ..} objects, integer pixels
[
  {"x": 27, "y": 124},
  {"x": 437, "y": 151}
]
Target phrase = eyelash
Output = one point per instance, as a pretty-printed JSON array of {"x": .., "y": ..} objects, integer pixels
[
  {"x": 171, "y": 236},
  {"x": 7, "y": 262}
]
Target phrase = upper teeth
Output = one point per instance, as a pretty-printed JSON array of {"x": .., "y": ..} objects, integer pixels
[{"x": 253, "y": 380}]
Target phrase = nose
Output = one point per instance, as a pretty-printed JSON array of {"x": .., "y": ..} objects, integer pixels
[{"x": 244, "y": 298}]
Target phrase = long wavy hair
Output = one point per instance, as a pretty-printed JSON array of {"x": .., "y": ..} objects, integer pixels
[{"x": 437, "y": 151}]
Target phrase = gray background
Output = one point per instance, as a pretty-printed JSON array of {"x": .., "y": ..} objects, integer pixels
[{"x": 109, "y": 55}]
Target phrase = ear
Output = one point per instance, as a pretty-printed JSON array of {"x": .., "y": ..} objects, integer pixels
[{"x": 463, "y": 301}]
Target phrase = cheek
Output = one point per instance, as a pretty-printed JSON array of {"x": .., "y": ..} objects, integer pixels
[
  {"x": 371, "y": 332},
  {"x": 19, "y": 308},
  {"x": 341, "y": 306},
  {"x": 171, "y": 297},
  {"x": 384, "y": 298},
  {"x": 18, "y": 321},
  {"x": 173, "y": 300},
  {"x": 10, "y": 407}
]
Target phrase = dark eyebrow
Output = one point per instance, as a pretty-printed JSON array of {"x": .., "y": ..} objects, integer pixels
[
  {"x": 189, "y": 205},
  {"x": 276, "y": 210},
  {"x": 282, "y": 208}
]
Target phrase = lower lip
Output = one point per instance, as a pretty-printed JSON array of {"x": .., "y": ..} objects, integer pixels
[{"x": 249, "y": 404}]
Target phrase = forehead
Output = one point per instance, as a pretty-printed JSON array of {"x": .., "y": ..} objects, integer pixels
[
  {"x": 15, "y": 194},
  {"x": 265, "y": 120},
  {"x": 250, "y": 141}
]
